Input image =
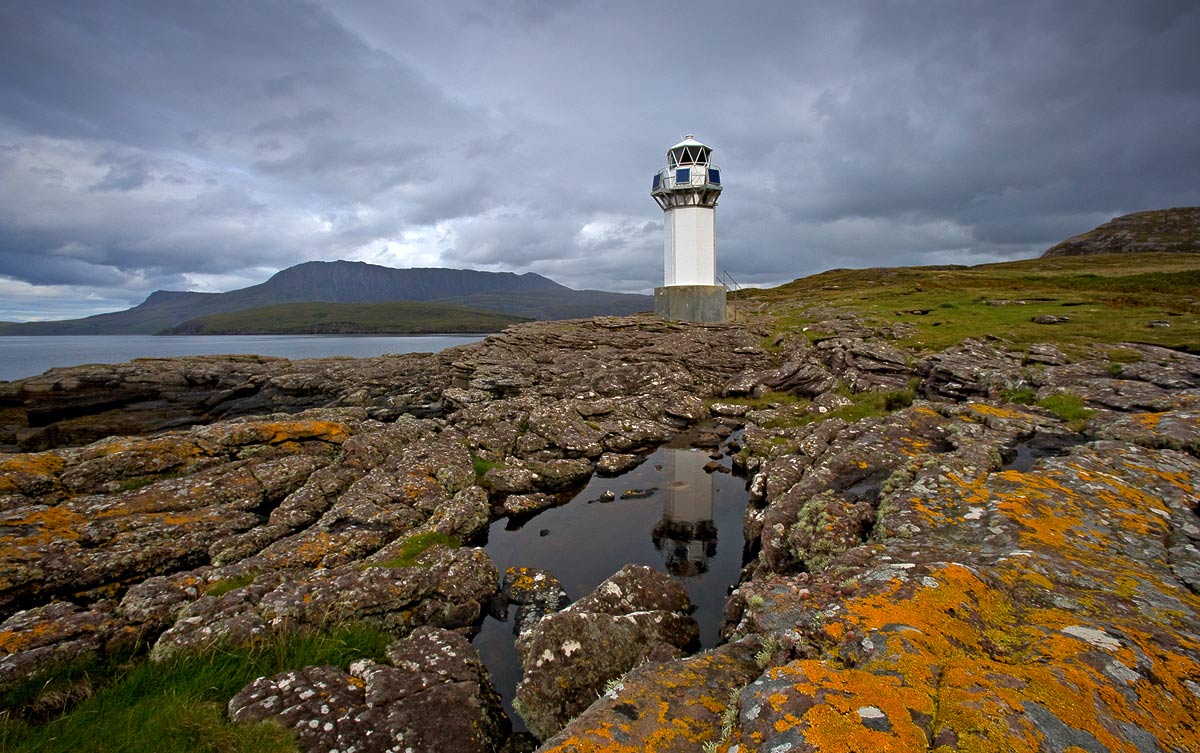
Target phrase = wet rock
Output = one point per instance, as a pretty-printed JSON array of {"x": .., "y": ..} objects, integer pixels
[
  {"x": 516, "y": 505},
  {"x": 434, "y": 695},
  {"x": 614, "y": 463},
  {"x": 536, "y": 593},
  {"x": 637, "y": 493},
  {"x": 568, "y": 657}
]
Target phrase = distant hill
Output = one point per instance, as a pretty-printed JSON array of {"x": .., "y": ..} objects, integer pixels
[
  {"x": 527, "y": 295},
  {"x": 396, "y": 317},
  {"x": 1173, "y": 230}
]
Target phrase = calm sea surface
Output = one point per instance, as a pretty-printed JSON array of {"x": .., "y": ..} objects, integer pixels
[{"x": 27, "y": 356}]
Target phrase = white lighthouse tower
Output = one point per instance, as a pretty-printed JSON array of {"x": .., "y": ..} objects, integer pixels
[{"x": 687, "y": 190}]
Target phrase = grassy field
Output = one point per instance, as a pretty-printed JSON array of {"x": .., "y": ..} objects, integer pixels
[
  {"x": 398, "y": 317},
  {"x": 177, "y": 706},
  {"x": 1109, "y": 298}
]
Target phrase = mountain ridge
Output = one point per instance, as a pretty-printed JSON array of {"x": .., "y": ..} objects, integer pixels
[{"x": 527, "y": 295}]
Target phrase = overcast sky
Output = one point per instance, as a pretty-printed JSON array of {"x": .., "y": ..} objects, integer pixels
[{"x": 205, "y": 145}]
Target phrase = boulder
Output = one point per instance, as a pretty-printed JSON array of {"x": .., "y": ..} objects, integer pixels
[
  {"x": 433, "y": 695},
  {"x": 536, "y": 593},
  {"x": 567, "y": 657},
  {"x": 693, "y": 694}
]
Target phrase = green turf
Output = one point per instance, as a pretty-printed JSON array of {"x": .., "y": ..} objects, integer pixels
[
  {"x": 1109, "y": 299},
  {"x": 398, "y": 317},
  {"x": 176, "y": 706}
]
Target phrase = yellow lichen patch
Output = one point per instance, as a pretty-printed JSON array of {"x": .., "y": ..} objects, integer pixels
[
  {"x": 911, "y": 446},
  {"x": 29, "y": 527},
  {"x": 983, "y": 655},
  {"x": 1147, "y": 420},
  {"x": 993, "y": 411},
  {"x": 662, "y": 708},
  {"x": 280, "y": 432},
  {"x": 38, "y": 463},
  {"x": 168, "y": 446},
  {"x": 39, "y": 633},
  {"x": 18, "y": 471}
]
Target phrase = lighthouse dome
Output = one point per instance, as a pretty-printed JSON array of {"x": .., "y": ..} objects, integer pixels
[{"x": 688, "y": 152}]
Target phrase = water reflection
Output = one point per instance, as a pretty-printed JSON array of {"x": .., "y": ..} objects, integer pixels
[
  {"x": 664, "y": 513},
  {"x": 686, "y": 534}
]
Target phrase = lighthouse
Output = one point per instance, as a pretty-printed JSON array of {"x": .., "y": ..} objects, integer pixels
[{"x": 687, "y": 190}]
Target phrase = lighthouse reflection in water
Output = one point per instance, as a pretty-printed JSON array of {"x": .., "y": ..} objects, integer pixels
[
  {"x": 666, "y": 513},
  {"x": 686, "y": 535}
]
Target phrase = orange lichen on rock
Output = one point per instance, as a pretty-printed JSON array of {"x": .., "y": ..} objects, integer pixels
[
  {"x": 661, "y": 708},
  {"x": 1072, "y": 631},
  {"x": 278, "y": 432},
  {"x": 18, "y": 471},
  {"x": 28, "y": 527},
  {"x": 987, "y": 410}
]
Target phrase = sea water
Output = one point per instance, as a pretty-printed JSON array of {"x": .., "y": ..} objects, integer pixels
[{"x": 28, "y": 356}]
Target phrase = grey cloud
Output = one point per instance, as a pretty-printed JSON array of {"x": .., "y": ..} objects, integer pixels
[{"x": 143, "y": 142}]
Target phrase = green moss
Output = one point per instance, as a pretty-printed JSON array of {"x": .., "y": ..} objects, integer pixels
[
  {"x": 1066, "y": 406},
  {"x": 229, "y": 584},
  {"x": 482, "y": 466},
  {"x": 414, "y": 546},
  {"x": 767, "y": 400},
  {"x": 1021, "y": 396},
  {"x": 177, "y": 706},
  {"x": 1123, "y": 355},
  {"x": 130, "y": 484}
]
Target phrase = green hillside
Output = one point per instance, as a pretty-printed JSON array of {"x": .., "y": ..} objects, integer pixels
[
  {"x": 395, "y": 318},
  {"x": 1143, "y": 297}
]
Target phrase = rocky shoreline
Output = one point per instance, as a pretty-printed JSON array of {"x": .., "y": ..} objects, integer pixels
[{"x": 953, "y": 569}]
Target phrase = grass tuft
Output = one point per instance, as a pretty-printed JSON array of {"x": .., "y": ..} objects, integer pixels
[
  {"x": 1069, "y": 408},
  {"x": 1020, "y": 396},
  {"x": 226, "y": 585},
  {"x": 416, "y": 545},
  {"x": 177, "y": 706}
]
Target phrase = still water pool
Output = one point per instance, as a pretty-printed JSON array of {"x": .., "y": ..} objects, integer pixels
[{"x": 690, "y": 526}]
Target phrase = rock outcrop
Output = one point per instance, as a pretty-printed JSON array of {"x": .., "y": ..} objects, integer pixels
[
  {"x": 433, "y": 694},
  {"x": 1176, "y": 230},
  {"x": 980, "y": 548},
  {"x": 569, "y": 656}
]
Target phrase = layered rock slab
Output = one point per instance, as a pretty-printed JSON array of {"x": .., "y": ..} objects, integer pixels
[
  {"x": 432, "y": 696},
  {"x": 991, "y": 610},
  {"x": 569, "y": 656}
]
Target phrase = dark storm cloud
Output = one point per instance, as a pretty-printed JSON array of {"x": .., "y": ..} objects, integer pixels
[{"x": 148, "y": 144}]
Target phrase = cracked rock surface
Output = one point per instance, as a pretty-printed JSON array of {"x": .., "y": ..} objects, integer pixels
[{"x": 950, "y": 570}]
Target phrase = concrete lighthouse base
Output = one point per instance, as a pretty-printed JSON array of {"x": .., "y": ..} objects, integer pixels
[{"x": 703, "y": 304}]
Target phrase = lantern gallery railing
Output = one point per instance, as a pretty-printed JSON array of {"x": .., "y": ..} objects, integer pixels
[{"x": 696, "y": 176}]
